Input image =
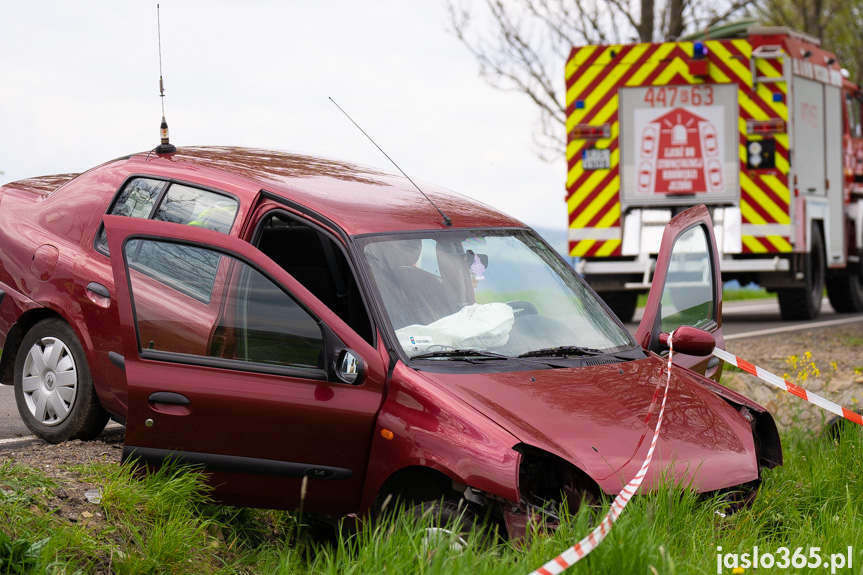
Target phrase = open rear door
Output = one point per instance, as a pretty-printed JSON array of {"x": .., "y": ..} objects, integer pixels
[{"x": 686, "y": 288}]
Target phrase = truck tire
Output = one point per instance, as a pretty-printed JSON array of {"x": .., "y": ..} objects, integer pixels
[
  {"x": 846, "y": 291},
  {"x": 805, "y": 302},
  {"x": 53, "y": 387},
  {"x": 622, "y": 303}
]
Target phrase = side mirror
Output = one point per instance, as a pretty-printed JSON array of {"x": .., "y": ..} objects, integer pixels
[
  {"x": 690, "y": 340},
  {"x": 349, "y": 367}
]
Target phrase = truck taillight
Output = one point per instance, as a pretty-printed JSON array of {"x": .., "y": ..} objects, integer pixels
[
  {"x": 761, "y": 154},
  {"x": 763, "y": 127},
  {"x": 588, "y": 132}
]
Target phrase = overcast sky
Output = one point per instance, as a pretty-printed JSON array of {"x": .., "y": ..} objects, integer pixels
[{"x": 79, "y": 86}]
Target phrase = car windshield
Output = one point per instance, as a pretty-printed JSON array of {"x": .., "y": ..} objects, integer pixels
[{"x": 500, "y": 292}]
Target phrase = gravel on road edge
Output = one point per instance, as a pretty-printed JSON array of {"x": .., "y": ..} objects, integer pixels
[{"x": 825, "y": 360}]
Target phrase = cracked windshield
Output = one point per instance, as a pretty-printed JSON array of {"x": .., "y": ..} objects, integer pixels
[{"x": 498, "y": 292}]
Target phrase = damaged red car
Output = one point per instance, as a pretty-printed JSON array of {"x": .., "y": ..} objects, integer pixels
[{"x": 285, "y": 320}]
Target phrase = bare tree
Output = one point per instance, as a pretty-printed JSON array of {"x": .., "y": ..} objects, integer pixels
[
  {"x": 522, "y": 45},
  {"x": 810, "y": 16},
  {"x": 837, "y": 23}
]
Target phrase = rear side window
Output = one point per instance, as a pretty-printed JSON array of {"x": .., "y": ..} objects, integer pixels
[{"x": 177, "y": 203}]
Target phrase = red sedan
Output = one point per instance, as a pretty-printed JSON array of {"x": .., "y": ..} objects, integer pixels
[{"x": 286, "y": 320}]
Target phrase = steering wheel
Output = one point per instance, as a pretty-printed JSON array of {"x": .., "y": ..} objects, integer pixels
[{"x": 521, "y": 307}]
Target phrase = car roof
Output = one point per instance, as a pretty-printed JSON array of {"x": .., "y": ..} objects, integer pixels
[
  {"x": 360, "y": 200},
  {"x": 42, "y": 185}
]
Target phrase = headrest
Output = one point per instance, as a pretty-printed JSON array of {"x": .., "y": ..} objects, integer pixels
[{"x": 394, "y": 253}]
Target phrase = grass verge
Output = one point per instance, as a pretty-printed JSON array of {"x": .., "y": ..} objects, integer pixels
[
  {"x": 165, "y": 523},
  {"x": 736, "y": 294}
]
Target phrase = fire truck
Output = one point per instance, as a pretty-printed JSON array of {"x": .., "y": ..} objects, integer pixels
[{"x": 760, "y": 124}]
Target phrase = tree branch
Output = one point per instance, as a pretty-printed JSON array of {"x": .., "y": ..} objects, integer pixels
[{"x": 522, "y": 45}]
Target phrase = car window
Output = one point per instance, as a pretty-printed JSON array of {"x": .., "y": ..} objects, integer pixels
[
  {"x": 687, "y": 296},
  {"x": 196, "y": 207},
  {"x": 138, "y": 198},
  {"x": 180, "y": 204},
  {"x": 251, "y": 319},
  {"x": 186, "y": 269},
  {"x": 499, "y": 291}
]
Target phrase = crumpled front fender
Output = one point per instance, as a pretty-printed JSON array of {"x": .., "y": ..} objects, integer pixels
[{"x": 421, "y": 424}]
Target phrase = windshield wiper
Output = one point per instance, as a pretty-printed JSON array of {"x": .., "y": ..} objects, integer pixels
[
  {"x": 563, "y": 351},
  {"x": 460, "y": 353}
]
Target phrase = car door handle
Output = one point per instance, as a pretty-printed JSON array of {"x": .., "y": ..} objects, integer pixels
[
  {"x": 117, "y": 359},
  {"x": 169, "y": 398},
  {"x": 169, "y": 403},
  {"x": 98, "y": 289}
]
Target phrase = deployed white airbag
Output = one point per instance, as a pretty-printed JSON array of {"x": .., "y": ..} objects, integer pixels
[{"x": 477, "y": 326}]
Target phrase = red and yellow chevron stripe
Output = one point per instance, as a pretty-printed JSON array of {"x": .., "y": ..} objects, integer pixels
[{"x": 594, "y": 74}]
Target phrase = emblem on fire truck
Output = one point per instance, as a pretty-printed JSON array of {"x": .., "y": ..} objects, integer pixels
[{"x": 679, "y": 151}]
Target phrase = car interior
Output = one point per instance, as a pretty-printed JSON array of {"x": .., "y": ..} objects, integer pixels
[
  {"x": 319, "y": 264},
  {"x": 393, "y": 267}
]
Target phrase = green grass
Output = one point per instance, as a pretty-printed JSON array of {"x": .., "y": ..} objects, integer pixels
[
  {"x": 741, "y": 294},
  {"x": 728, "y": 295},
  {"x": 163, "y": 523}
]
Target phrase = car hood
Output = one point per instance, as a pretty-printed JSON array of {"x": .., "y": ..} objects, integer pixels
[{"x": 594, "y": 417}]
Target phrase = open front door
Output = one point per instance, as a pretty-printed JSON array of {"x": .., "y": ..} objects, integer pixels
[
  {"x": 686, "y": 288},
  {"x": 231, "y": 364}
]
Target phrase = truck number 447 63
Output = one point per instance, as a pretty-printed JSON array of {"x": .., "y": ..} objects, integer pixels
[{"x": 667, "y": 96}]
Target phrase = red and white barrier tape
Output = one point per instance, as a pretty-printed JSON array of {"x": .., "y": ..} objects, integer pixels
[
  {"x": 575, "y": 553},
  {"x": 786, "y": 385}
]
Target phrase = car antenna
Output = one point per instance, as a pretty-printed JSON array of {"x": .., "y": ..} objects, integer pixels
[
  {"x": 166, "y": 147},
  {"x": 446, "y": 219}
]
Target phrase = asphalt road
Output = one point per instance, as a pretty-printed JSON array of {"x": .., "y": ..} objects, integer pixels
[
  {"x": 739, "y": 319},
  {"x": 749, "y": 318},
  {"x": 10, "y": 421}
]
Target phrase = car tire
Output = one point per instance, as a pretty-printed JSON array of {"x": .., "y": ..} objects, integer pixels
[
  {"x": 622, "y": 303},
  {"x": 805, "y": 302},
  {"x": 734, "y": 499},
  {"x": 846, "y": 291},
  {"x": 53, "y": 387},
  {"x": 453, "y": 523}
]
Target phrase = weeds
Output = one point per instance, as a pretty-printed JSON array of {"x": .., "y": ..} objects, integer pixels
[
  {"x": 165, "y": 523},
  {"x": 20, "y": 555},
  {"x": 803, "y": 369}
]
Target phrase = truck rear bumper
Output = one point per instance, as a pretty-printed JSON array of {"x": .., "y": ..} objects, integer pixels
[{"x": 644, "y": 270}]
